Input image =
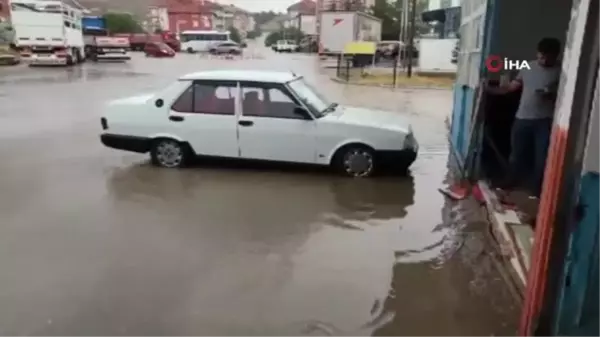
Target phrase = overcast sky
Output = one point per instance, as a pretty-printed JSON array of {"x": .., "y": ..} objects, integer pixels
[{"x": 260, "y": 5}]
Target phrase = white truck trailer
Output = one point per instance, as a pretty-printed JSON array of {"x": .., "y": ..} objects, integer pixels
[
  {"x": 47, "y": 32},
  {"x": 337, "y": 29}
]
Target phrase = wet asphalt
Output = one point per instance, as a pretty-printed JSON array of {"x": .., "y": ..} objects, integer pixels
[{"x": 94, "y": 241}]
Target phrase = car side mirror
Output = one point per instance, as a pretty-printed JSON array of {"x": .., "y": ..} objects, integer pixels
[
  {"x": 159, "y": 103},
  {"x": 300, "y": 111}
]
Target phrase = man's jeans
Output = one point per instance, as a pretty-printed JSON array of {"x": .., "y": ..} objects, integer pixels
[{"x": 530, "y": 140}]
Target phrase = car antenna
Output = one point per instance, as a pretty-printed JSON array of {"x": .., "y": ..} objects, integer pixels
[{"x": 293, "y": 73}]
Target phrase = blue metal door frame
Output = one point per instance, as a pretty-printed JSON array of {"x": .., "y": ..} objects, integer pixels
[{"x": 464, "y": 95}]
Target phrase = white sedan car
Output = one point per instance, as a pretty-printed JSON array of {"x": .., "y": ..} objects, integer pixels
[{"x": 257, "y": 115}]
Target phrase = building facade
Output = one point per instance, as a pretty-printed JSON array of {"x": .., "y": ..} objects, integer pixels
[
  {"x": 181, "y": 15},
  {"x": 233, "y": 16}
]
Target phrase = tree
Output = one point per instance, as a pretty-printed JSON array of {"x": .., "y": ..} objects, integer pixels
[
  {"x": 234, "y": 35},
  {"x": 7, "y": 33},
  {"x": 118, "y": 23},
  {"x": 390, "y": 14},
  {"x": 263, "y": 17},
  {"x": 254, "y": 34}
]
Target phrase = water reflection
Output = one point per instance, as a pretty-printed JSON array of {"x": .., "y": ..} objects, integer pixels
[{"x": 56, "y": 75}]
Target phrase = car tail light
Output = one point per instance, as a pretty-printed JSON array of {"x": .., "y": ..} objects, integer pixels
[
  {"x": 61, "y": 52},
  {"x": 104, "y": 123}
]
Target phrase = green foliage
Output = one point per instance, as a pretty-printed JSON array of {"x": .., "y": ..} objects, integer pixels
[
  {"x": 293, "y": 34},
  {"x": 254, "y": 34},
  {"x": 119, "y": 23},
  {"x": 234, "y": 35},
  {"x": 7, "y": 33},
  {"x": 263, "y": 17},
  {"x": 390, "y": 14}
]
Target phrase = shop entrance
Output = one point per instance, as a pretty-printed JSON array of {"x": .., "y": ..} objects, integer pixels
[{"x": 564, "y": 271}]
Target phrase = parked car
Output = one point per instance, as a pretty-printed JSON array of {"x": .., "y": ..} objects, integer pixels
[
  {"x": 257, "y": 115},
  {"x": 230, "y": 48},
  {"x": 285, "y": 46},
  {"x": 158, "y": 49},
  {"x": 8, "y": 56}
]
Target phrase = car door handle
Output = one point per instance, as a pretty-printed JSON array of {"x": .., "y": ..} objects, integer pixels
[
  {"x": 246, "y": 123},
  {"x": 176, "y": 118}
]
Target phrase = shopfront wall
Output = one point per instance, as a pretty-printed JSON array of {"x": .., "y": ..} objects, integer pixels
[
  {"x": 562, "y": 294},
  {"x": 562, "y": 290}
]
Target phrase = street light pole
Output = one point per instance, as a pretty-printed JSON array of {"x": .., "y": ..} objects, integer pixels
[{"x": 411, "y": 42}]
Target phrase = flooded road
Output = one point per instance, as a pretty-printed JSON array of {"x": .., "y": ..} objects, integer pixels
[{"x": 95, "y": 241}]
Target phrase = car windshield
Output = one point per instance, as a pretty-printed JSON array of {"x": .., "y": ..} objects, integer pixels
[
  {"x": 161, "y": 45},
  {"x": 318, "y": 104}
]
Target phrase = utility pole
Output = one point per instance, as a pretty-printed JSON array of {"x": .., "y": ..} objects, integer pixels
[
  {"x": 400, "y": 8},
  {"x": 405, "y": 21},
  {"x": 411, "y": 42}
]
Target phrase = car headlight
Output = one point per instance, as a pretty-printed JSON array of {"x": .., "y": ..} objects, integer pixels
[{"x": 410, "y": 142}]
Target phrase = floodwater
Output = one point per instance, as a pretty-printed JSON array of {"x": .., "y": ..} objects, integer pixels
[{"x": 95, "y": 241}]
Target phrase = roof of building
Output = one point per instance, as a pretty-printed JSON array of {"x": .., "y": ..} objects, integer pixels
[
  {"x": 242, "y": 75},
  {"x": 304, "y": 7},
  {"x": 187, "y": 6}
]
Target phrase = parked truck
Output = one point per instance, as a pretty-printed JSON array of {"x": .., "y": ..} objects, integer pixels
[
  {"x": 47, "y": 32},
  {"x": 99, "y": 45},
  {"x": 138, "y": 41},
  {"x": 337, "y": 29}
]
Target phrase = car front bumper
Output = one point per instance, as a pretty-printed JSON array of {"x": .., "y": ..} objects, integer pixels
[
  {"x": 46, "y": 60},
  {"x": 396, "y": 158},
  {"x": 126, "y": 143},
  {"x": 114, "y": 57}
]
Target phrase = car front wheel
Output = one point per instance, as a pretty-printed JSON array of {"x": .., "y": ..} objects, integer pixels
[
  {"x": 169, "y": 153},
  {"x": 356, "y": 161}
]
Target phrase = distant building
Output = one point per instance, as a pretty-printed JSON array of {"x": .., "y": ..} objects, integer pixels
[
  {"x": 446, "y": 21},
  {"x": 233, "y": 16},
  {"x": 346, "y": 5},
  {"x": 181, "y": 15},
  {"x": 302, "y": 7}
]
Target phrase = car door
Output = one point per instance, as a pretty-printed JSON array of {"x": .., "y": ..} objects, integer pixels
[
  {"x": 205, "y": 116},
  {"x": 149, "y": 49},
  {"x": 269, "y": 129}
]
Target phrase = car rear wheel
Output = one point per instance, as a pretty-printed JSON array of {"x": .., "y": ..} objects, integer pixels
[
  {"x": 190, "y": 50},
  {"x": 169, "y": 153},
  {"x": 356, "y": 161}
]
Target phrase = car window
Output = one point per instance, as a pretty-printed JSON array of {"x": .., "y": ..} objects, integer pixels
[
  {"x": 253, "y": 101},
  {"x": 267, "y": 100},
  {"x": 203, "y": 98},
  {"x": 214, "y": 99},
  {"x": 185, "y": 102}
]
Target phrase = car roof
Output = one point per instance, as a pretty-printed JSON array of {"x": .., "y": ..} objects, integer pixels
[{"x": 242, "y": 75}]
